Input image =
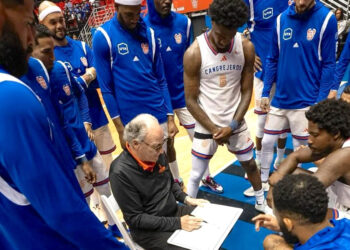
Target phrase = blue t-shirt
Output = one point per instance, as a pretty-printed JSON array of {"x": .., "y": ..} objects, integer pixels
[{"x": 330, "y": 238}]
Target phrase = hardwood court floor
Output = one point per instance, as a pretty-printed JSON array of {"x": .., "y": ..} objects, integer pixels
[{"x": 183, "y": 144}]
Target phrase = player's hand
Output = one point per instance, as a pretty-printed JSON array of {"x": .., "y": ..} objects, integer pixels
[
  {"x": 257, "y": 64},
  {"x": 332, "y": 94},
  {"x": 90, "y": 175},
  {"x": 195, "y": 202},
  {"x": 265, "y": 104},
  {"x": 88, "y": 130},
  {"x": 172, "y": 128},
  {"x": 222, "y": 135},
  {"x": 190, "y": 223},
  {"x": 266, "y": 220}
]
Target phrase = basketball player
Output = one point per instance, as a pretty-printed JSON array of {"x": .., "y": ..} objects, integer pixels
[
  {"x": 263, "y": 14},
  {"x": 302, "y": 62},
  {"x": 218, "y": 76},
  {"x": 328, "y": 125},
  {"x": 44, "y": 208}
]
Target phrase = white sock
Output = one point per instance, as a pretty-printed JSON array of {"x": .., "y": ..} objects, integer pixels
[
  {"x": 107, "y": 159},
  {"x": 268, "y": 143},
  {"x": 258, "y": 155},
  {"x": 105, "y": 190},
  {"x": 174, "y": 170},
  {"x": 280, "y": 153},
  {"x": 259, "y": 196},
  {"x": 95, "y": 199},
  {"x": 199, "y": 166},
  {"x": 206, "y": 173}
]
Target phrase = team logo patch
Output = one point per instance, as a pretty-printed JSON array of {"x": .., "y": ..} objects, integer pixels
[
  {"x": 66, "y": 89},
  {"x": 223, "y": 81},
  {"x": 205, "y": 143},
  {"x": 267, "y": 13},
  {"x": 310, "y": 34},
  {"x": 123, "y": 48},
  {"x": 145, "y": 48},
  {"x": 194, "y": 4},
  {"x": 84, "y": 61},
  {"x": 41, "y": 81},
  {"x": 178, "y": 38},
  {"x": 290, "y": 2},
  {"x": 287, "y": 34},
  {"x": 68, "y": 65}
]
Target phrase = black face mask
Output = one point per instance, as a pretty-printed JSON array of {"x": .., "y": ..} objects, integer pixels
[
  {"x": 288, "y": 236},
  {"x": 13, "y": 57}
]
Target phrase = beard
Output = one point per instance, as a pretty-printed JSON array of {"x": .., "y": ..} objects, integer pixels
[
  {"x": 288, "y": 236},
  {"x": 60, "y": 38},
  {"x": 13, "y": 57}
]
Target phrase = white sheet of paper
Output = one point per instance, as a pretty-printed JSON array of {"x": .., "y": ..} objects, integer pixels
[{"x": 220, "y": 220}]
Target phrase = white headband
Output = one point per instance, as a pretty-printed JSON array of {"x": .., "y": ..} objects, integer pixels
[
  {"x": 128, "y": 2},
  {"x": 49, "y": 10}
]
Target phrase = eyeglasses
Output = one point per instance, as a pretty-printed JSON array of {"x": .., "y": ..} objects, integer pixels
[{"x": 158, "y": 147}]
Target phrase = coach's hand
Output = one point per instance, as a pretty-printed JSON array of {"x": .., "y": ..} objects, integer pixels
[
  {"x": 195, "y": 202},
  {"x": 222, "y": 135},
  {"x": 265, "y": 104},
  {"x": 190, "y": 223},
  {"x": 90, "y": 175}
]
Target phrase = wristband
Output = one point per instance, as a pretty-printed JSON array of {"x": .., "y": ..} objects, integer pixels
[{"x": 233, "y": 125}]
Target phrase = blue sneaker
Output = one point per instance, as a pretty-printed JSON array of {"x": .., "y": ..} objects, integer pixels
[{"x": 115, "y": 231}]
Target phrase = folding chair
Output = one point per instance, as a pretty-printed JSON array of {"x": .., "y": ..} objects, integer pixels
[{"x": 112, "y": 208}]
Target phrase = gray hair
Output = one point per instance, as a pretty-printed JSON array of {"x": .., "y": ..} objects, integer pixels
[{"x": 138, "y": 127}]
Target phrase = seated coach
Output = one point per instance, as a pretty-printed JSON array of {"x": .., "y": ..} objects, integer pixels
[{"x": 145, "y": 190}]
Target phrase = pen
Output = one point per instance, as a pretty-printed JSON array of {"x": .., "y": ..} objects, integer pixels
[{"x": 202, "y": 220}]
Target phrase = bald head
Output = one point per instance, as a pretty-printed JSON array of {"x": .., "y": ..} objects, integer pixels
[{"x": 138, "y": 128}]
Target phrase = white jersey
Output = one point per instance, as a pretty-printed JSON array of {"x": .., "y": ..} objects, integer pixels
[{"x": 220, "y": 82}]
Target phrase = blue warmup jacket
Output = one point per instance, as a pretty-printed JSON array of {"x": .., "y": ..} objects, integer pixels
[
  {"x": 173, "y": 36},
  {"x": 335, "y": 238},
  {"x": 130, "y": 71},
  {"x": 301, "y": 57},
  {"x": 37, "y": 78},
  {"x": 262, "y": 17},
  {"x": 42, "y": 207},
  {"x": 79, "y": 56},
  {"x": 342, "y": 64},
  {"x": 70, "y": 95}
]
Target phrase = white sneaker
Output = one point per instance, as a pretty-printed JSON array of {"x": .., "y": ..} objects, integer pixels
[
  {"x": 258, "y": 165},
  {"x": 264, "y": 208},
  {"x": 250, "y": 191},
  {"x": 277, "y": 163}
]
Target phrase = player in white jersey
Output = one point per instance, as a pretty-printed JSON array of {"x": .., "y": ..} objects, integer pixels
[
  {"x": 328, "y": 126},
  {"x": 218, "y": 76}
]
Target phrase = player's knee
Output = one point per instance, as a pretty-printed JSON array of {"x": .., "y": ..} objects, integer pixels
[{"x": 250, "y": 166}]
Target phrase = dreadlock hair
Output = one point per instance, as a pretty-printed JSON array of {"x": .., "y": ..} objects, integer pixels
[
  {"x": 41, "y": 31},
  {"x": 331, "y": 115},
  {"x": 229, "y": 13},
  {"x": 347, "y": 90},
  {"x": 301, "y": 197}
]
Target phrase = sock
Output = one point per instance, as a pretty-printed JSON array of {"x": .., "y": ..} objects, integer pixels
[
  {"x": 174, "y": 170},
  {"x": 268, "y": 143},
  {"x": 206, "y": 173},
  {"x": 280, "y": 154},
  {"x": 95, "y": 199},
  {"x": 258, "y": 155},
  {"x": 107, "y": 159},
  {"x": 199, "y": 166},
  {"x": 259, "y": 196}
]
